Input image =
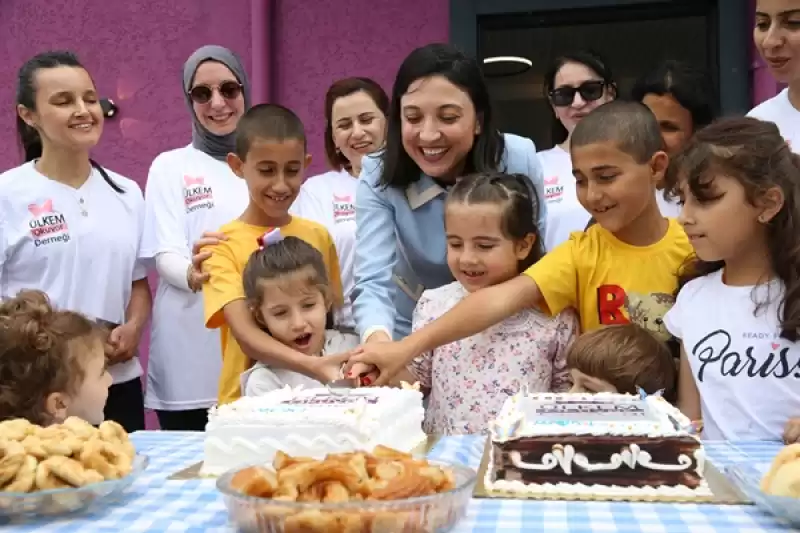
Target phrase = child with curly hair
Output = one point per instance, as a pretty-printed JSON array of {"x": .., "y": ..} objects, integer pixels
[{"x": 52, "y": 362}]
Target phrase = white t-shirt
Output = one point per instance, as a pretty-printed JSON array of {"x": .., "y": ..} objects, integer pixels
[
  {"x": 330, "y": 199},
  {"x": 80, "y": 246},
  {"x": 668, "y": 208},
  {"x": 564, "y": 213},
  {"x": 748, "y": 377},
  {"x": 188, "y": 192},
  {"x": 779, "y": 110}
]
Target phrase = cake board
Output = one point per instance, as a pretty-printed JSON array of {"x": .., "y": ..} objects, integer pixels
[
  {"x": 723, "y": 491},
  {"x": 193, "y": 471}
]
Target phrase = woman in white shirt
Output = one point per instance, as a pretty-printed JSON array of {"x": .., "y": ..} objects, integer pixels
[
  {"x": 681, "y": 97},
  {"x": 72, "y": 229},
  {"x": 355, "y": 125},
  {"x": 575, "y": 84},
  {"x": 777, "y": 39},
  {"x": 191, "y": 190}
]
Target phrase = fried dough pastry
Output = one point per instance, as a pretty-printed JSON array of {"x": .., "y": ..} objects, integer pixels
[
  {"x": 783, "y": 478},
  {"x": 68, "y": 455}
]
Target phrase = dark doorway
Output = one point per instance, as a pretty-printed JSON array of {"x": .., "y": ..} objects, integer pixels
[{"x": 633, "y": 36}]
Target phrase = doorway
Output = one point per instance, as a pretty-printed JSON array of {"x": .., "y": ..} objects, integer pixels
[{"x": 633, "y": 37}]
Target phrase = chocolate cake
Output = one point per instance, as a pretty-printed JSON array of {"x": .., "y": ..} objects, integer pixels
[{"x": 594, "y": 444}]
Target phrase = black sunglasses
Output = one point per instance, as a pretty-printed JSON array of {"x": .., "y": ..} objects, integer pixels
[
  {"x": 229, "y": 90},
  {"x": 589, "y": 91}
]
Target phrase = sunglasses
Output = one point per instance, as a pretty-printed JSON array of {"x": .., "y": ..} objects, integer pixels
[
  {"x": 589, "y": 91},
  {"x": 229, "y": 90}
]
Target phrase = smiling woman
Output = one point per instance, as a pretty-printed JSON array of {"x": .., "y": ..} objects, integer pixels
[
  {"x": 55, "y": 230},
  {"x": 191, "y": 190},
  {"x": 355, "y": 125},
  {"x": 777, "y": 37},
  {"x": 440, "y": 128}
]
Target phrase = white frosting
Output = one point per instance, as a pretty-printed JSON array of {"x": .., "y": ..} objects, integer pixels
[
  {"x": 548, "y": 414},
  {"x": 311, "y": 423}
]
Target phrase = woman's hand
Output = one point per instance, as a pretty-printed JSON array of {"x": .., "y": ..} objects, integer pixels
[
  {"x": 123, "y": 342},
  {"x": 791, "y": 433},
  {"x": 195, "y": 276},
  {"x": 389, "y": 358}
]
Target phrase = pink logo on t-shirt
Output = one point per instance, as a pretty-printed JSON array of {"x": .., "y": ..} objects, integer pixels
[
  {"x": 196, "y": 194},
  {"x": 343, "y": 208},
  {"x": 552, "y": 190},
  {"x": 37, "y": 210},
  {"x": 47, "y": 226}
]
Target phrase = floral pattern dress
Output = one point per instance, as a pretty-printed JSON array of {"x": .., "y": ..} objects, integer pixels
[{"x": 470, "y": 379}]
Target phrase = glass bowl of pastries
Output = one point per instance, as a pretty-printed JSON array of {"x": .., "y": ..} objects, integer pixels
[
  {"x": 63, "y": 468},
  {"x": 778, "y": 491},
  {"x": 382, "y": 491}
]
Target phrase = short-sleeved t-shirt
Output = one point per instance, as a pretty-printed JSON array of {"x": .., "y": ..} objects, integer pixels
[
  {"x": 611, "y": 282},
  {"x": 225, "y": 267}
]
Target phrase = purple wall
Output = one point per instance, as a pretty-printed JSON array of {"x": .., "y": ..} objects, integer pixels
[
  {"x": 316, "y": 45},
  {"x": 305, "y": 50}
]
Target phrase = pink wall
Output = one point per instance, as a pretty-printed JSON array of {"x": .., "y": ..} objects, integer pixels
[
  {"x": 135, "y": 51},
  {"x": 317, "y": 43}
]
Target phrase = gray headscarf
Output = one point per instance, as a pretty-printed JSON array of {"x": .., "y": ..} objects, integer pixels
[{"x": 217, "y": 146}]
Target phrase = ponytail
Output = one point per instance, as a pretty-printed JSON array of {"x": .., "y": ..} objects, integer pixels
[{"x": 29, "y": 140}]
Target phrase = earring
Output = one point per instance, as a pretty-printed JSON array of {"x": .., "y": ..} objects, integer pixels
[{"x": 762, "y": 219}]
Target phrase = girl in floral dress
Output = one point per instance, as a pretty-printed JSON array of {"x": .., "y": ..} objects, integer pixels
[{"x": 490, "y": 224}]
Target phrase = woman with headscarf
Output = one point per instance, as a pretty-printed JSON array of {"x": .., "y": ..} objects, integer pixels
[{"x": 191, "y": 190}]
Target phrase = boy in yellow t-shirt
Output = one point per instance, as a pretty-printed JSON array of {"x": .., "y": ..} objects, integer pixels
[
  {"x": 271, "y": 157},
  {"x": 623, "y": 269}
]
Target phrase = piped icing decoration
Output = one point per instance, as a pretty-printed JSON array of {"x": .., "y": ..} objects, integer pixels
[{"x": 631, "y": 456}]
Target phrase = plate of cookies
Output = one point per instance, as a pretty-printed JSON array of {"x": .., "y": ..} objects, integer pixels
[
  {"x": 63, "y": 468},
  {"x": 778, "y": 491},
  {"x": 381, "y": 491}
]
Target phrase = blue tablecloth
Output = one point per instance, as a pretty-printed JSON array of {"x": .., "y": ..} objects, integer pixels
[{"x": 155, "y": 504}]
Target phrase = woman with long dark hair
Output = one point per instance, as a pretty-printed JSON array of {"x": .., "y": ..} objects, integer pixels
[
  {"x": 70, "y": 227},
  {"x": 441, "y": 127},
  {"x": 574, "y": 84}
]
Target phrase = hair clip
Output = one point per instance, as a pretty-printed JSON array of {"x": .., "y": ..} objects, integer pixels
[
  {"x": 269, "y": 238},
  {"x": 643, "y": 394}
]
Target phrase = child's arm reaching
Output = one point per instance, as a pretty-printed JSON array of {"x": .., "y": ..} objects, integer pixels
[
  {"x": 568, "y": 329},
  {"x": 688, "y": 395},
  {"x": 260, "y": 346},
  {"x": 477, "y": 312},
  {"x": 225, "y": 303}
]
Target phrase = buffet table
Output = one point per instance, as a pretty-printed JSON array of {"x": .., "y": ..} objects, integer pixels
[{"x": 155, "y": 503}]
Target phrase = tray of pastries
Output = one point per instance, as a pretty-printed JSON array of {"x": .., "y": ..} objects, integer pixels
[{"x": 63, "y": 468}]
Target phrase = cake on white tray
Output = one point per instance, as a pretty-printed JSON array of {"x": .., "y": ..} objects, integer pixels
[
  {"x": 604, "y": 445},
  {"x": 311, "y": 423}
]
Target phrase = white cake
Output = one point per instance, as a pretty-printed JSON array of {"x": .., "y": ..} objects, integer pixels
[
  {"x": 595, "y": 445},
  {"x": 311, "y": 423}
]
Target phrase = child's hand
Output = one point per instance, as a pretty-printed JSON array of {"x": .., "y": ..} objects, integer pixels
[
  {"x": 388, "y": 357},
  {"x": 791, "y": 432},
  {"x": 364, "y": 373},
  {"x": 195, "y": 275},
  {"x": 327, "y": 368}
]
